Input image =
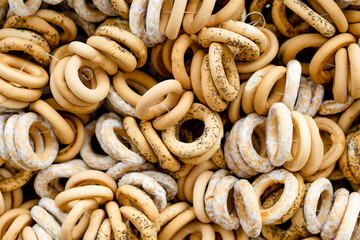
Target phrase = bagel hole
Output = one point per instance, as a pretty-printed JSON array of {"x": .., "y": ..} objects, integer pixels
[
  {"x": 59, "y": 183},
  {"x": 292, "y": 17},
  {"x": 325, "y": 136},
  {"x": 295, "y": 143},
  {"x": 124, "y": 139},
  {"x": 147, "y": 193},
  {"x": 200, "y": 4},
  {"x": 34, "y": 132},
  {"x": 90, "y": 4},
  {"x": 284, "y": 226},
  {"x": 188, "y": 56},
  {"x": 277, "y": 91},
  {"x": 86, "y": 74},
  {"x": 221, "y": 2},
  {"x": 355, "y": 126},
  {"x": 191, "y": 130},
  {"x": 136, "y": 87},
  {"x": 306, "y": 54},
  {"x": 217, "y": 236},
  {"x": 62, "y": 146},
  {"x": 57, "y": 28},
  {"x": 82, "y": 35},
  {"x": 266, "y": 11},
  {"x": 95, "y": 145},
  {"x": 31, "y": 142},
  {"x": 271, "y": 195},
  {"x": 320, "y": 202},
  {"x": 258, "y": 142},
  {"x": 230, "y": 201}
]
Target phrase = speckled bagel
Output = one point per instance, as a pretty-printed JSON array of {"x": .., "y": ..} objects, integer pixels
[{"x": 202, "y": 144}]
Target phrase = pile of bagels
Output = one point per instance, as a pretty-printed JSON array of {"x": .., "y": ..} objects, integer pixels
[{"x": 172, "y": 119}]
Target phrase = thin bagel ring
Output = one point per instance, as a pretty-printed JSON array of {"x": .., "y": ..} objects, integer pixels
[
  {"x": 61, "y": 128},
  {"x": 232, "y": 154},
  {"x": 203, "y": 143},
  {"x": 262, "y": 101},
  {"x": 278, "y": 13},
  {"x": 293, "y": 76},
  {"x": 70, "y": 151},
  {"x": 33, "y": 49},
  {"x": 66, "y": 199},
  {"x": 138, "y": 139},
  {"x": 72, "y": 225},
  {"x": 175, "y": 114},
  {"x": 166, "y": 159},
  {"x": 33, "y": 76},
  {"x": 279, "y": 132},
  {"x": 129, "y": 195},
  {"x": 125, "y": 60},
  {"x": 302, "y": 134},
  {"x": 315, "y": 221},
  {"x": 317, "y": 74},
  {"x": 341, "y": 198},
  {"x": 142, "y": 223},
  {"x": 181, "y": 45},
  {"x": 246, "y": 148},
  {"x": 340, "y": 88},
  {"x": 63, "y": 170},
  {"x": 311, "y": 17},
  {"x": 91, "y": 158},
  {"x": 25, "y": 34},
  {"x": 121, "y": 82},
  {"x": 90, "y": 53},
  {"x": 59, "y": 19},
  {"x": 106, "y": 130},
  {"x": 265, "y": 58},
  {"x": 193, "y": 22},
  {"x": 210, "y": 190},
  {"x": 222, "y": 216},
  {"x": 144, "y": 108},
  {"x": 198, "y": 195},
  {"x": 248, "y": 50},
  {"x": 209, "y": 92},
  {"x": 296, "y": 44},
  {"x": 248, "y": 31},
  {"x": 177, "y": 223},
  {"x": 247, "y": 208},
  {"x": 78, "y": 88},
  {"x": 150, "y": 185},
  {"x": 36, "y": 24},
  {"x": 286, "y": 201},
  {"x": 21, "y": 134},
  {"x": 223, "y": 71},
  {"x": 91, "y": 177},
  {"x": 338, "y": 141},
  {"x": 136, "y": 46}
]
